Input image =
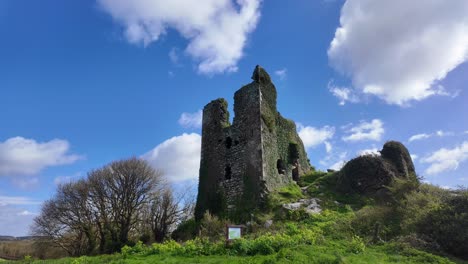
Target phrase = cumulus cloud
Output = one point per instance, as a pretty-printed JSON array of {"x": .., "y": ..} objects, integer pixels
[
  {"x": 371, "y": 151},
  {"x": 414, "y": 157},
  {"x": 217, "y": 30},
  {"x": 365, "y": 131},
  {"x": 282, "y": 73},
  {"x": 398, "y": 50},
  {"x": 344, "y": 94},
  {"x": 444, "y": 159},
  {"x": 439, "y": 133},
  {"x": 191, "y": 120},
  {"x": 178, "y": 157},
  {"x": 312, "y": 137},
  {"x": 21, "y": 156}
]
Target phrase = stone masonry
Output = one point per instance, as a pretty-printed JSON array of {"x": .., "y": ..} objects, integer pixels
[{"x": 241, "y": 162}]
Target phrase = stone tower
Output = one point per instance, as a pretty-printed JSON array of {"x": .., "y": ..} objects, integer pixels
[{"x": 242, "y": 162}]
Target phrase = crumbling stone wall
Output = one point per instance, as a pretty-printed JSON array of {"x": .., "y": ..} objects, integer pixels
[{"x": 242, "y": 162}]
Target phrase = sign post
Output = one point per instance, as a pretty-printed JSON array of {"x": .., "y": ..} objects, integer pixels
[{"x": 233, "y": 232}]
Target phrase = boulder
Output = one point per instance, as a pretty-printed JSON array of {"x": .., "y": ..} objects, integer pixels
[{"x": 370, "y": 174}]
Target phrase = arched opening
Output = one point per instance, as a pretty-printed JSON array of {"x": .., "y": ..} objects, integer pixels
[
  {"x": 227, "y": 172},
  {"x": 295, "y": 171},
  {"x": 228, "y": 142},
  {"x": 280, "y": 166}
]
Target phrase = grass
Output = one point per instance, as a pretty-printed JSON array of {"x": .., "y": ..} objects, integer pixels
[{"x": 331, "y": 252}]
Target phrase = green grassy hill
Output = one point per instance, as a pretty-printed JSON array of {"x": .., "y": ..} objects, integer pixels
[{"x": 346, "y": 231}]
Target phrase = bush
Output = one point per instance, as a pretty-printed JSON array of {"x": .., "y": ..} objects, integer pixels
[
  {"x": 185, "y": 231},
  {"x": 357, "y": 245},
  {"x": 368, "y": 217},
  {"x": 448, "y": 225},
  {"x": 212, "y": 228}
]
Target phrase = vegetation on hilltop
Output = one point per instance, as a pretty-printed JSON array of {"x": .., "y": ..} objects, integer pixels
[{"x": 422, "y": 224}]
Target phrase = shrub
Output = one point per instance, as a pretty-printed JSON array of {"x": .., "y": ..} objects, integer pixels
[
  {"x": 448, "y": 225},
  {"x": 212, "y": 228},
  {"x": 167, "y": 247},
  {"x": 185, "y": 231},
  {"x": 367, "y": 217},
  {"x": 357, "y": 245}
]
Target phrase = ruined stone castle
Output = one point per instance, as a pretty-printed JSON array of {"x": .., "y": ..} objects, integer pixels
[{"x": 243, "y": 161}]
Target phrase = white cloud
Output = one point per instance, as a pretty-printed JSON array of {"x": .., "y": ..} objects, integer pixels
[
  {"x": 441, "y": 133},
  {"x": 26, "y": 212},
  {"x": 446, "y": 187},
  {"x": 338, "y": 165},
  {"x": 365, "y": 131},
  {"x": 422, "y": 136},
  {"x": 398, "y": 50},
  {"x": 17, "y": 200},
  {"x": 419, "y": 137},
  {"x": 444, "y": 159},
  {"x": 282, "y": 73},
  {"x": 217, "y": 30},
  {"x": 21, "y": 156},
  {"x": 344, "y": 94},
  {"x": 191, "y": 120},
  {"x": 66, "y": 179},
  {"x": 334, "y": 161},
  {"x": 174, "y": 56},
  {"x": 328, "y": 146},
  {"x": 26, "y": 182},
  {"x": 178, "y": 157},
  {"x": 371, "y": 151},
  {"x": 312, "y": 136},
  {"x": 414, "y": 157},
  {"x": 15, "y": 221}
]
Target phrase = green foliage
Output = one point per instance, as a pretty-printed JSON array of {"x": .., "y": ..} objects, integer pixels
[
  {"x": 269, "y": 120},
  {"x": 357, "y": 245},
  {"x": 448, "y": 224},
  {"x": 401, "y": 187},
  {"x": 211, "y": 227},
  {"x": 367, "y": 217},
  {"x": 185, "y": 230},
  {"x": 310, "y": 177},
  {"x": 291, "y": 192}
]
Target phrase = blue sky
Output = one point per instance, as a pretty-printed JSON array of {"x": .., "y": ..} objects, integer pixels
[{"x": 83, "y": 83}]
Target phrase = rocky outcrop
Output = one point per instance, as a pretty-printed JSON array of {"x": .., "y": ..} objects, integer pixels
[
  {"x": 370, "y": 174},
  {"x": 310, "y": 206}
]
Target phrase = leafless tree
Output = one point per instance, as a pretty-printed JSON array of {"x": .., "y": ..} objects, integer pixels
[
  {"x": 122, "y": 200},
  {"x": 67, "y": 219},
  {"x": 167, "y": 210},
  {"x": 119, "y": 191}
]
